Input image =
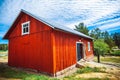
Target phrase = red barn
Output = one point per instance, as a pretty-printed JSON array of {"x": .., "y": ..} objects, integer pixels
[{"x": 40, "y": 44}]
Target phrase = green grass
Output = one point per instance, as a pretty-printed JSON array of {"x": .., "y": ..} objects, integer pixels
[
  {"x": 7, "y": 72},
  {"x": 4, "y": 54},
  {"x": 73, "y": 78},
  {"x": 109, "y": 59},
  {"x": 3, "y": 50},
  {"x": 89, "y": 69},
  {"x": 86, "y": 70},
  {"x": 112, "y": 59}
]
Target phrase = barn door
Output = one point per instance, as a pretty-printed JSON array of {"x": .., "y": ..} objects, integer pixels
[{"x": 79, "y": 51}]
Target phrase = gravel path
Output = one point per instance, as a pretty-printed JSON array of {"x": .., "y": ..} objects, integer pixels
[{"x": 111, "y": 70}]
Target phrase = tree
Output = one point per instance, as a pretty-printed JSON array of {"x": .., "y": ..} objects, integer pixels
[
  {"x": 100, "y": 48},
  {"x": 3, "y": 47},
  {"x": 116, "y": 37},
  {"x": 96, "y": 33},
  {"x": 108, "y": 39},
  {"x": 81, "y": 28}
]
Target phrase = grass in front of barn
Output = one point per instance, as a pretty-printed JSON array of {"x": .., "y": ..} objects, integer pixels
[
  {"x": 109, "y": 70},
  {"x": 89, "y": 69},
  {"x": 3, "y": 56},
  {"x": 87, "y": 73},
  {"x": 9, "y": 73},
  {"x": 115, "y": 60}
]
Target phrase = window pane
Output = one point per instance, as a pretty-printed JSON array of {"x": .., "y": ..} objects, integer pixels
[
  {"x": 27, "y": 24},
  {"x": 23, "y": 30},
  {"x": 26, "y": 29},
  {"x": 24, "y": 25}
]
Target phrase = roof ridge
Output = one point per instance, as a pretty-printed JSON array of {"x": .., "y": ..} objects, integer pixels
[
  {"x": 56, "y": 25},
  {"x": 50, "y": 23}
]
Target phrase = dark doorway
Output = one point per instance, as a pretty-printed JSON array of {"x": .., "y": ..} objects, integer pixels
[{"x": 79, "y": 51}]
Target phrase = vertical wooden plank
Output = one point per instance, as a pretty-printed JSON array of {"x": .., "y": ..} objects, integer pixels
[{"x": 53, "y": 44}]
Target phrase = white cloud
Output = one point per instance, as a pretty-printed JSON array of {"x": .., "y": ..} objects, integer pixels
[
  {"x": 113, "y": 29},
  {"x": 109, "y": 26},
  {"x": 66, "y": 12}
]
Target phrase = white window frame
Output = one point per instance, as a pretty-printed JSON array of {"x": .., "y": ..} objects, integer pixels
[
  {"x": 28, "y": 22},
  {"x": 88, "y": 46}
]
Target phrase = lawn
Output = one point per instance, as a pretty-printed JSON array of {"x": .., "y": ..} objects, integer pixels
[
  {"x": 3, "y": 53},
  {"x": 7, "y": 72},
  {"x": 86, "y": 73},
  {"x": 112, "y": 59},
  {"x": 11, "y": 73}
]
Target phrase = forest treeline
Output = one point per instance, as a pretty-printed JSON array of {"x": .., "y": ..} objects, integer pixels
[
  {"x": 111, "y": 40},
  {"x": 104, "y": 43},
  {"x": 3, "y": 47}
]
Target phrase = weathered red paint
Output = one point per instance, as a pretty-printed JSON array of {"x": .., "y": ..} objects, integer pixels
[{"x": 44, "y": 49}]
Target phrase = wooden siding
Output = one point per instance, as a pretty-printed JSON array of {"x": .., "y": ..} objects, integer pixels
[
  {"x": 33, "y": 50},
  {"x": 65, "y": 49}
]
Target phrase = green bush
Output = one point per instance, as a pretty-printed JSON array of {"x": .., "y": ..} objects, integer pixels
[{"x": 115, "y": 53}]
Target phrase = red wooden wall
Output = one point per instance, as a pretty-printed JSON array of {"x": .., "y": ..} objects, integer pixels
[
  {"x": 65, "y": 49},
  {"x": 33, "y": 50}
]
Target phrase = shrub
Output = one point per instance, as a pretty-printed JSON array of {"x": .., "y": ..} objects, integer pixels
[{"x": 115, "y": 53}]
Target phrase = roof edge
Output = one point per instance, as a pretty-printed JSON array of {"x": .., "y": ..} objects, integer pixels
[
  {"x": 4, "y": 37},
  {"x": 32, "y": 15},
  {"x": 52, "y": 26}
]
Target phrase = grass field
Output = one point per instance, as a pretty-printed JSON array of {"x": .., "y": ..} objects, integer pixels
[
  {"x": 86, "y": 73},
  {"x": 3, "y": 52},
  {"x": 112, "y": 59},
  {"x": 8, "y": 72}
]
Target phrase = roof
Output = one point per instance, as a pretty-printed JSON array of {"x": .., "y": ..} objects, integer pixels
[{"x": 49, "y": 23}]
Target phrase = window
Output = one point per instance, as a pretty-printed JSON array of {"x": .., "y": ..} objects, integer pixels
[
  {"x": 88, "y": 46},
  {"x": 26, "y": 28}
]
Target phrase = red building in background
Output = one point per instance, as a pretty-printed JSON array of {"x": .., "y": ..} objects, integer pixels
[{"x": 45, "y": 46}]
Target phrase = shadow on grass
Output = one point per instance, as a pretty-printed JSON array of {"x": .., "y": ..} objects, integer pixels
[{"x": 112, "y": 64}]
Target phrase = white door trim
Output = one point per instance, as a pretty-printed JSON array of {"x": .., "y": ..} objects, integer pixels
[{"x": 83, "y": 50}]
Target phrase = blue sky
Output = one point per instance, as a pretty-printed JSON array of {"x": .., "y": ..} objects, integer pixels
[{"x": 104, "y": 14}]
